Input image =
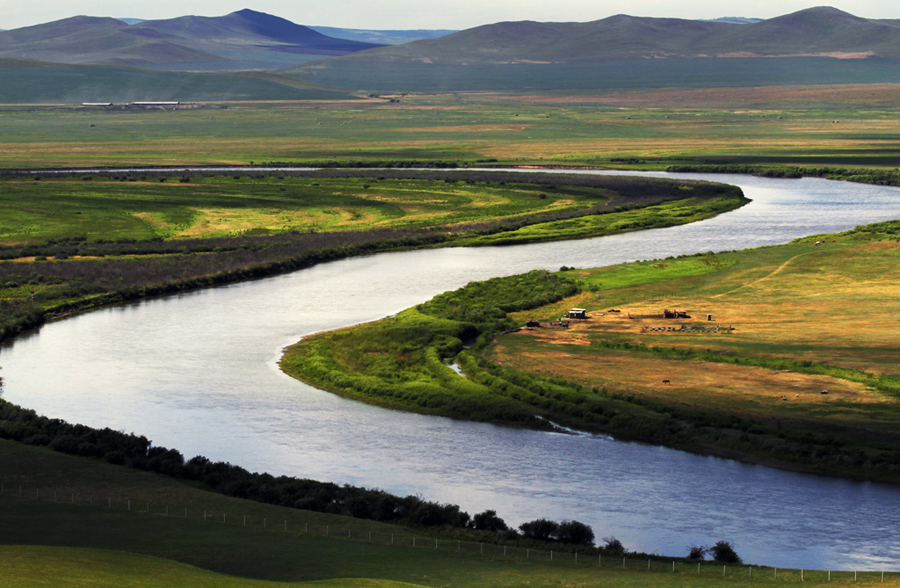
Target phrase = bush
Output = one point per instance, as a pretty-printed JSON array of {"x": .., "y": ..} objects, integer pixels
[
  {"x": 489, "y": 521},
  {"x": 539, "y": 529},
  {"x": 723, "y": 552},
  {"x": 613, "y": 546},
  {"x": 697, "y": 552},
  {"x": 575, "y": 532}
]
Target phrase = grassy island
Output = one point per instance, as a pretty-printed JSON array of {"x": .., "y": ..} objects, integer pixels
[{"x": 780, "y": 355}]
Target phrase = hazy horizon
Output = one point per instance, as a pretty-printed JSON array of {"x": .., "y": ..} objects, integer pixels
[{"x": 408, "y": 14}]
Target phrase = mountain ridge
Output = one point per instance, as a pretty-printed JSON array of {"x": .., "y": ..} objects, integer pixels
[
  {"x": 238, "y": 40},
  {"x": 819, "y": 31}
]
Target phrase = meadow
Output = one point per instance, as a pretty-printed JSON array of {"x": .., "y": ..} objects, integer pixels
[
  {"x": 80, "y": 243},
  {"x": 74, "y": 526},
  {"x": 631, "y": 127},
  {"x": 783, "y": 355}
]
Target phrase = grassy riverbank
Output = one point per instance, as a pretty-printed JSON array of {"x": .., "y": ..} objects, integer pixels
[
  {"x": 74, "y": 243},
  {"x": 81, "y": 522},
  {"x": 796, "y": 368}
]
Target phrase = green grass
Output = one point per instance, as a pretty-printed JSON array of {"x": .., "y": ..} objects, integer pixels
[
  {"x": 49, "y": 542},
  {"x": 57, "y": 543},
  {"x": 751, "y": 389},
  {"x": 637, "y": 128}
]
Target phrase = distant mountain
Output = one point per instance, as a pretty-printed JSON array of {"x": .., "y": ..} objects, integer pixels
[
  {"x": 734, "y": 19},
  {"x": 132, "y": 21},
  {"x": 386, "y": 37},
  {"x": 241, "y": 40},
  {"x": 817, "y": 31}
]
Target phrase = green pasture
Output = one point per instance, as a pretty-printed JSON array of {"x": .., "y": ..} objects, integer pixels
[
  {"x": 784, "y": 373},
  {"x": 608, "y": 128},
  {"x": 47, "y": 540},
  {"x": 106, "y": 206}
]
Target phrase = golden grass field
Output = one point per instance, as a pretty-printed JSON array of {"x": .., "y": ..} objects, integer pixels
[{"x": 833, "y": 303}]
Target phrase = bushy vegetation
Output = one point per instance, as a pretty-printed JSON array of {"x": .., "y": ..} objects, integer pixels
[{"x": 882, "y": 177}]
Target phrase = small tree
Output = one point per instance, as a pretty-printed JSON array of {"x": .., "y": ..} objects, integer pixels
[
  {"x": 540, "y": 529},
  {"x": 723, "y": 552},
  {"x": 489, "y": 521},
  {"x": 697, "y": 552},
  {"x": 613, "y": 546},
  {"x": 575, "y": 532}
]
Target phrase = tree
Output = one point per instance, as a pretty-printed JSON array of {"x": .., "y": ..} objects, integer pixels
[
  {"x": 540, "y": 529},
  {"x": 613, "y": 546},
  {"x": 575, "y": 532},
  {"x": 489, "y": 521},
  {"x": 723, "y": 552},
  {"x": 697, "y": 552}
]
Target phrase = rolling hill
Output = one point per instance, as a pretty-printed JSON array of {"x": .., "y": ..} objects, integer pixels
[
  {"x": 35, "y": 82},
  {"x": 238, "y": 41},
  {"x": 821, "y": 31}
]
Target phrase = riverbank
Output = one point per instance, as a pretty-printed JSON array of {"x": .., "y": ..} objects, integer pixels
[
  {"x": 121, "y": 238},
  {"x": 812, "y": 390}
]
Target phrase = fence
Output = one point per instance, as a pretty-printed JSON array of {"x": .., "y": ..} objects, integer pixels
[{"x": 299, "y": 525}]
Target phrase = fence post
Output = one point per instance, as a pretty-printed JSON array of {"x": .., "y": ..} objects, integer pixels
[
  {"x": 829, "y": 575},
  {"x": 801, "y": 574},
  {"x": 599, "y": 559},
  {"x": 723, "y": 571},
  {"x": 435, "y": 543},
  {"x": 854, "y": 576},
  {"x": 776, "y": 573},
  {"x": 698, "y": 569},
  {"x": 576, "y": 556},
  {"x": 551, "y": 554},
  {"x": 623, "y": 563},
  {"x": 648, "y": 564},
  {"x": 414, "y": 540},
  {"x": 673, "y": 566}
]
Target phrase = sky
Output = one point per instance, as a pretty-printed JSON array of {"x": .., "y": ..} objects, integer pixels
[{"x": 425, "y": 14}]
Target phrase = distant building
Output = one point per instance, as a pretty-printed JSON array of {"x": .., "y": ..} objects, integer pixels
[{"x": 577, "y": 313}]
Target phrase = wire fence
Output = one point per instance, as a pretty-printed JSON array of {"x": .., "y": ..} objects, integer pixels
[{"x": 299, "y": 524}]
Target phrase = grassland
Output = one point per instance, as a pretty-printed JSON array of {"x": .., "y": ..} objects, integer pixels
[
  {"x": 640, "y": 128},
  {"x": 50, "y": 541},
  {"x": 796, "y": 368},
  {"x": 83, "y": 241}
]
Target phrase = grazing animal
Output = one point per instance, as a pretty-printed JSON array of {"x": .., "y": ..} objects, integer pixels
[{"x": 666, "y": 382}]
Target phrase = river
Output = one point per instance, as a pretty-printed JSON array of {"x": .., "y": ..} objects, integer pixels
[{"x": 199, "y": 372}]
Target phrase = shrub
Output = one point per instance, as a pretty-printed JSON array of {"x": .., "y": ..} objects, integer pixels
[
  {"x": 539, "y": 529},
  {"x": 489, "y": 521},
  {"x": 723, "y": 552},
  {"x": 613, "y": 546},
  {"x": 575, "y": 532}
]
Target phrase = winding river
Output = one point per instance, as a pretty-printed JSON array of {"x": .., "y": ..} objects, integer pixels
[{"x": 198, "y": 372}]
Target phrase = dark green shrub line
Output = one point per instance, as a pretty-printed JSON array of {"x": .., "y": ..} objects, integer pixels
[{"x": 883, "y": 177}]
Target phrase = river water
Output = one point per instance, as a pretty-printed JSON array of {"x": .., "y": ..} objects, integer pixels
[{"x": 199, "y": 372}]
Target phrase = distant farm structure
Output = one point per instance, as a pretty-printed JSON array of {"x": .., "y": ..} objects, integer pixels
[{"x": 138, "y": 105}]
